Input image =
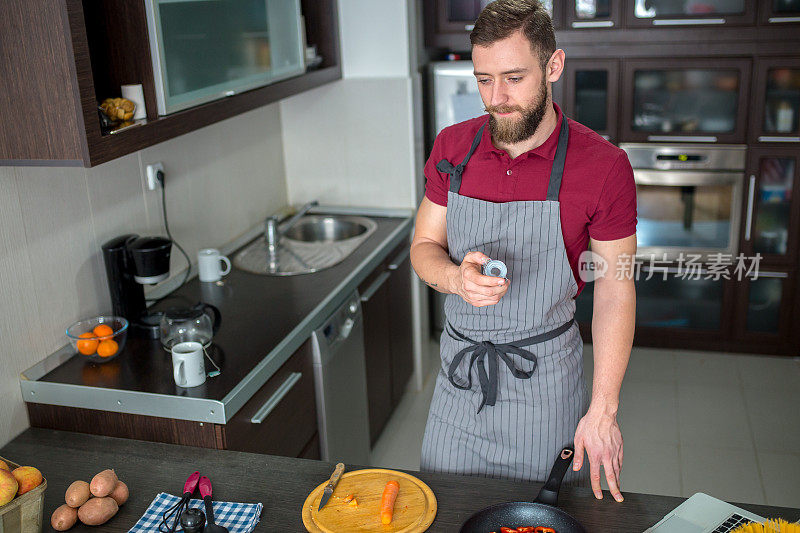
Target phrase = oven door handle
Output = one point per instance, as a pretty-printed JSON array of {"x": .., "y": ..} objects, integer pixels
[
  {"x": 681, "y": 177},
  {"x": 748, "y": 225}
]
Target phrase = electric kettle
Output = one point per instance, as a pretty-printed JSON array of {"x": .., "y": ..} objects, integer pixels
[{"x": 198, "y": 323}]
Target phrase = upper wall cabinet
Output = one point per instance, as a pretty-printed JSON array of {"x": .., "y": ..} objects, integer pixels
[
  {"x": 695, "y": 100},
  {"x": 648, "y": 13},
  {"x": 593, "y": 13},
  {"x": 776, "y": 101},
  {"x": 779, "y": 12},
  {"x": 198, "y": 62}
]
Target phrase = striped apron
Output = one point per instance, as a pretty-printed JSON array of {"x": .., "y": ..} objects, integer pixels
[{"x": 525, "y": 352}]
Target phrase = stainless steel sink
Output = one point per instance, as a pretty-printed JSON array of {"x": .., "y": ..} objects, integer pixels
[
  {"x": 310, "y": 244},
  {"x": 326, "y": 228}
]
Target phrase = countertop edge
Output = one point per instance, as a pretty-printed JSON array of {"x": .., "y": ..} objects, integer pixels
[{"x": 203, "y": 409}]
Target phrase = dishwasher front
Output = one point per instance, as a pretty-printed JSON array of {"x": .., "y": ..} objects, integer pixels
[{"x": 340, "y": 380}]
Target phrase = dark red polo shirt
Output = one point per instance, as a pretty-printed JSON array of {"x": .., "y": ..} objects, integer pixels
[{"x": 598, "y": 194}]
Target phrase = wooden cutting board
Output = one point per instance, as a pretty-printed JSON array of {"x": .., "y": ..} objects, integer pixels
[{"x": 414, "y": 509}]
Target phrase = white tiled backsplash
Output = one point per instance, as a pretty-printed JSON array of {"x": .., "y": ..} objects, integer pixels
[{"x": 221, "y": 180}]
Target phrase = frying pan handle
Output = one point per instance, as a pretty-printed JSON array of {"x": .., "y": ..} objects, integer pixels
[
  {"x": 205, "y": 487},
  {"x": 191, "y": 483},
  {"x": 549, "y": 493}
]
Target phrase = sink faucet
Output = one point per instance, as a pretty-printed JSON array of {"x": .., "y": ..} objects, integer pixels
[{"x": 273, "y": 234}]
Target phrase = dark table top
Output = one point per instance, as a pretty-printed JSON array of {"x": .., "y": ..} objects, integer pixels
[
  {"x": 258, "y": 312},
  {"x": 282, "y": 484}
]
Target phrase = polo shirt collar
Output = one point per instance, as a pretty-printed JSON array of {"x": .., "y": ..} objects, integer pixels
[{"x": 546, "y": 150}]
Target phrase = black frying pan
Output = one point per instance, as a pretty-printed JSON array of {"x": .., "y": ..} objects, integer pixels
[{"x": 542, "y": 512}]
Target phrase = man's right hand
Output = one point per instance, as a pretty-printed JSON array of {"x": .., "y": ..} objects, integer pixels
[{"x": 475, "y": 288}]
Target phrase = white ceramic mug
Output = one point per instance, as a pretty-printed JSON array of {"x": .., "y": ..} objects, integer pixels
[
  {"x": 209, "y": 265},
  {"x": 188, "y": 366}
]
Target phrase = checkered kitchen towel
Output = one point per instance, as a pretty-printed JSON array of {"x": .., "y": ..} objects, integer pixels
[{"x": 237, "y": 517}]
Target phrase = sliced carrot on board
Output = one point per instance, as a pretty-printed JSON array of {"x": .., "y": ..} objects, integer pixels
[{"x": 387, "y": 501}]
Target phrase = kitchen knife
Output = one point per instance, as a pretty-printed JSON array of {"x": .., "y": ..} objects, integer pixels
[{"x": 326, "y": 494}]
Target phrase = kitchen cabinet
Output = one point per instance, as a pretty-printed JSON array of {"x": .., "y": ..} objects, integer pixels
[
  {"x": 764, "y": 307},
  {"x": 779, "y": 12},
  {"x": 776, "y": 101},
  {"x": 64, "y": 57},
  {"x": 685, "y": 100},
  {"x": 671, "y": 13},
  {"x": 386, "y": 306},
  {"x": 771, "y": 207},
  {"x": 593, "y": 13},
  {"x": 590, "y": 94},
  {"x": 285, "y": 406}
]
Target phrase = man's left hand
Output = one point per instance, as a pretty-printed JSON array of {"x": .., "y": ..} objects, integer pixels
[{"x": 599, "y": 435}]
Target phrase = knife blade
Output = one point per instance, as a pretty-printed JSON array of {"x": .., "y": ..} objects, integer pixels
[{"x": 326, "y": 494}]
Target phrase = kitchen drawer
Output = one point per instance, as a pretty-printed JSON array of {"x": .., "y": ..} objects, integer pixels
[{"x": 287, "y": 408}]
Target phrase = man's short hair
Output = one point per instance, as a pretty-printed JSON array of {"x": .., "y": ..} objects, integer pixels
[{"x": 502, "y": 18}]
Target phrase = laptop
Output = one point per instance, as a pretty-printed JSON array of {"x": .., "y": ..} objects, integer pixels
[{"x": 704, "y": 514}]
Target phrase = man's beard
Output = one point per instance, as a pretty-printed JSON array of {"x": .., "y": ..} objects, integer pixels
[{"x": 511, "y": 131}]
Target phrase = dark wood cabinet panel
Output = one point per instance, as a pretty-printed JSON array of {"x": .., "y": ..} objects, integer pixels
[
  {"x": 765, "y": 307},
  {"x": 287, "y": 408},
  {"x": 312, "y": 449},
  {"x": 401, "y": 341},
  {"x": 778, "y": 13},
  {"x": 591, "y": 89}
]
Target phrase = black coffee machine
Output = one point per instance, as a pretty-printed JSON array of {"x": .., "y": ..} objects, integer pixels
[{"x": 132, "y": 262}]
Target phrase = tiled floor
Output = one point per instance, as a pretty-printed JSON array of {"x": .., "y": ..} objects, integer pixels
[{"x": 724, "y": 424}]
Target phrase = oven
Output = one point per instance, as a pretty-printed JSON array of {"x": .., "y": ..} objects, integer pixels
[{"x": 688, "y": 199}]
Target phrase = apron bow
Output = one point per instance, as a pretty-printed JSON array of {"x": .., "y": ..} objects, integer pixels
[{"x": 488, "y": 354}]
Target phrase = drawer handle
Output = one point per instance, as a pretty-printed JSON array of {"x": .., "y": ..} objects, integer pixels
[
  {"x": 398, "y": 260},
  {"x": 276, "y": 398},
  {"x": 372, "y": 289},
  {"x": 750, "y": 195}
]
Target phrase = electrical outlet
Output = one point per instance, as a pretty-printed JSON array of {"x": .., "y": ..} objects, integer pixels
[{"x": 152, "y": 181}]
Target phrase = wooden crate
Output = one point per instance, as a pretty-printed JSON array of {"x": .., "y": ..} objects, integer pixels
[{"x": 23, "y": 514}]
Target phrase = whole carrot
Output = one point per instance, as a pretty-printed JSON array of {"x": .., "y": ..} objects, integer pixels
[{"x": 387, "y": 501}]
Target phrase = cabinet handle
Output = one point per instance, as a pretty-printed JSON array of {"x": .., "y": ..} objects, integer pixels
[
  {"x": 372, "y": 289},
  {"x": 681, "y": 22},
  {"x": 776, "y": 139},
  {"x": 399, "y": 258},
  {"x": 678, "y": 138},
  {"x": 276, "y": 398},
  {"x": 748, "y": 225},
  {"x": 773, "y": 20},
  {"x": 593, "y": 24}
]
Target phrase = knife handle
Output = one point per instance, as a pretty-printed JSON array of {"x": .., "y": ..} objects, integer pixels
[{"x": 337, "y": 473}]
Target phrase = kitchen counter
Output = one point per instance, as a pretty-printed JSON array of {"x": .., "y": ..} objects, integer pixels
[
  {"x": 264, "y": 320},
  {"x": 282, "y": 484}
]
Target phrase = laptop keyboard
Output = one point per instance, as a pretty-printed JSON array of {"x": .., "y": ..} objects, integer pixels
[{"x": 733, "y": 521}]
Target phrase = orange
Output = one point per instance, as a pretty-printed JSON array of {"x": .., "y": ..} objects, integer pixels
[
  {"x": 107, "y": 348},
  {"x": 103, "y": 331},
  {"x": 87, "y": 347}
]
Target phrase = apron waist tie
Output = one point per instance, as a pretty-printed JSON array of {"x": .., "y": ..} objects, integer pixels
[{"x": 487, "y": 350}]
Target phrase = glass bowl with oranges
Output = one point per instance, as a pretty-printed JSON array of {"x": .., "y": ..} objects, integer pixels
[{"x": 99, "y": 339}]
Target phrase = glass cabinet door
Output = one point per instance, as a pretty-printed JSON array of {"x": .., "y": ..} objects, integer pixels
[
  {"x": 777, "y": 101},
  {"x": 780, "y": 12},
  {"x": 765, "y": 305},
  {"x": 771, "y": 213},
  {"x": 590, "y": 92},
  {"x": 593, "y": 13},
  {"x": 690, "y": 12},
  {"x": 685, "y": 100}
]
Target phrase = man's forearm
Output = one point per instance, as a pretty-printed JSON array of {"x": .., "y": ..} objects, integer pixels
[
  {"x": 434, "y": 266},
  {"x": 613, "y": 320}
]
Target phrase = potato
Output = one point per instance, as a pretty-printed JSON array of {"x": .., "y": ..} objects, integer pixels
[
  {"x": 97, "y": 511},
  {"x": 64, "y": 518},
  {"x": 103, "y": 483},
  {"x": 77, "y": 494},
  {"x": 120, "y": 493}
]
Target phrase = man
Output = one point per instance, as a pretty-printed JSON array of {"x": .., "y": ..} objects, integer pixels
[{"x": 531, "y": 188}]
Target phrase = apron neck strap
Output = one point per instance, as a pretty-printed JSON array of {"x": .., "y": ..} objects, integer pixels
[
  {"x": 455, "y": 171},
  {"x": 558, "y": 162}
]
